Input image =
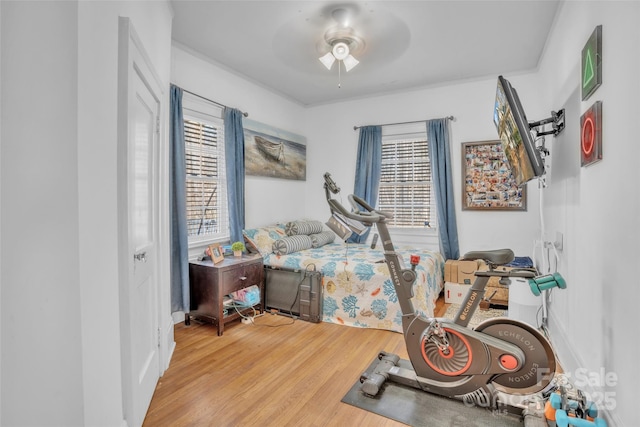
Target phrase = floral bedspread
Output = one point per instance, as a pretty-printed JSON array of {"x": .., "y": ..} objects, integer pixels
[{"x": 357, "y": 287}]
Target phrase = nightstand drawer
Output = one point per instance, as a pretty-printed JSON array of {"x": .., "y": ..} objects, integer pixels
[{"x": 242, "y": 277}]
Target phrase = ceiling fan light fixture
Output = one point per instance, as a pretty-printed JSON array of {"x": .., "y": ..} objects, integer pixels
[
  {"x": 340, "y": 51},
  {"x": 341, "y": 41},
  {"x": 350, "y": 62},
  {"x": 327, "y": 60}
]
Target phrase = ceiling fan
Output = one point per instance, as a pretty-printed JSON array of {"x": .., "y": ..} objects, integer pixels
[{"x": 342, "y": 41}]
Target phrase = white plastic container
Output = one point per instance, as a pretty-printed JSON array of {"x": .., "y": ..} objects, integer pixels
[{"x": 523, "y": 305}]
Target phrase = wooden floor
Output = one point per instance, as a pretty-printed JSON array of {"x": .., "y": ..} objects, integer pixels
[{"x": 273, "y": 373}]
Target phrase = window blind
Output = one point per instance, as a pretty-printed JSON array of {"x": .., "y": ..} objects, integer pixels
[
  {"x": 405, "y": 183},
  {"x": 205, "y": 176}
]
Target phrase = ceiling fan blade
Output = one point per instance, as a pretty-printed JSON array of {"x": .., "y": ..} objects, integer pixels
[
  {"x": 350, "y": 62},
  {"x": 327, "y": 60}
]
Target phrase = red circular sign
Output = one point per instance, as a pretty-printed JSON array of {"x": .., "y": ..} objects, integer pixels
[{"x": 588, "y": 135}]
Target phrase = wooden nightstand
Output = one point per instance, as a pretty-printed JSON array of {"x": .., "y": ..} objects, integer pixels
[{"x": 209, "y": 283}]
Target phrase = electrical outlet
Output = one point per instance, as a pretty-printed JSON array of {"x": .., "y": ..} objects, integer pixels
[{"x": 558, "y": 242}]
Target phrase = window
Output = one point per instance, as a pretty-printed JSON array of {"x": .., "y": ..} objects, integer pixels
[
  {"x": 207, "y": 217},
  {"x": 405, "y": 182}
]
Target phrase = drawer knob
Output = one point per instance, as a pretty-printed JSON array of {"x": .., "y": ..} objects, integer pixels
[{"x": 243, "y": 277}]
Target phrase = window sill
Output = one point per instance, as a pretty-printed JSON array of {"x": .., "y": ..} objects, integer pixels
[
  {"x": 422, "y": 231},
  {"x": 426, "y": 238},
  {"x": 197, "y": 247}
]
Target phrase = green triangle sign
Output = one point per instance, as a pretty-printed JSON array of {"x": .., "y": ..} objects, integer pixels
[{"x": 588, "y": 73}]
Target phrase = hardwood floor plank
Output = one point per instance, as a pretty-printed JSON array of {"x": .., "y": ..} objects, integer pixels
[{"x": 274, "y": 372}]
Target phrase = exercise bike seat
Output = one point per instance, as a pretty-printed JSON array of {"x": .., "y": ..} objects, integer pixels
[{"x": 495, "y": 257}]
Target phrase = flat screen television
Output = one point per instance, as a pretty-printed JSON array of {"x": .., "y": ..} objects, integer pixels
[{"x": 518, "y": 143}]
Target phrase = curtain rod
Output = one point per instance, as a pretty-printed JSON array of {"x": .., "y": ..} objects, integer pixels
[
  {"x": 406, "y": 123},
  {"x": 210, "y": 100}
]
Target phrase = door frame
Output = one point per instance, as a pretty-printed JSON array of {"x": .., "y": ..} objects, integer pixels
[{"x": 132, "y": 55}]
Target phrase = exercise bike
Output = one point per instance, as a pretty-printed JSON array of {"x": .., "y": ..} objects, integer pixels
[{"x": 446, "y": 357}]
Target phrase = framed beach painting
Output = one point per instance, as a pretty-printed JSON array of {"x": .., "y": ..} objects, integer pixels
[
  {"x": 487, "y": 181},
  {"x": 273, "y": 152}
]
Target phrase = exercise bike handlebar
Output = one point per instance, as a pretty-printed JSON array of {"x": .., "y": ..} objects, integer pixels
[
  {"x": 369, "y": 217},
  {"x": 355, "y": 201}
]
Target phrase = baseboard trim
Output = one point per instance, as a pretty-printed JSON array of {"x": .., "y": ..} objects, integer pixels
[
  {"x": 168, "y": 344},
  {"x": 177, "y": 317}
]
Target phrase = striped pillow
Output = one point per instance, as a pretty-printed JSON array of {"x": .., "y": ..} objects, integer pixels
[
  {"x": 321, "y": 239},
  {"x": 291, "y": 244},
  {"x": 294, "y": 228}
]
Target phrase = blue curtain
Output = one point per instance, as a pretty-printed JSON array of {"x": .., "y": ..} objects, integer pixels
[
  {"x": 368, "y": 167},
  {"x": 179, "y": 264},
  {"x": 439, "y": 151},
  {"x": 234, "y": 154}
]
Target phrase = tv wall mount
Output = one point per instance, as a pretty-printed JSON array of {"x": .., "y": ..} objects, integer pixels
[{"x": 557, "y": 124}]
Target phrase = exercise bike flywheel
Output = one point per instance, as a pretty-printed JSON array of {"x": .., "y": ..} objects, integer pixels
[{"x": 540, "y": 363}]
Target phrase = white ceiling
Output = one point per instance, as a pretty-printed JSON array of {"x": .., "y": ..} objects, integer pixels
[{"x": 408, "y": 44}]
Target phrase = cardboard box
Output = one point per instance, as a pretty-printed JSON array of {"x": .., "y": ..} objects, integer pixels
[
  {"x": 458, "y": 271},
  {"x": 466, "y": 270},
  {"x": 451, "y": 271},
  {"x": 454, "y": 293}
]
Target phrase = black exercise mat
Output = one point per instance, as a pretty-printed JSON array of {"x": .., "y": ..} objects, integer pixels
[{"x": 418, "y": 408}]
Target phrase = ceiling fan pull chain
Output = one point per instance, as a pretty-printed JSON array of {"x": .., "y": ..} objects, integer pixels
[{"x": 339, "y": 77}]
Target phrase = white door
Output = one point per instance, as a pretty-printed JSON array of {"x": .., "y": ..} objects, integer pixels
[
  {"x": 143, "y": 300},
  {"x": 138, "y": 170}
]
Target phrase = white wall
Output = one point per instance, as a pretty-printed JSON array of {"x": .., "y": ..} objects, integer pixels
[
  {"x": 596, "y": 207},
  {"x": 0, "y": 213},
  {"x": 60, "y": 311},
  {"x": 40, "y": 294}
]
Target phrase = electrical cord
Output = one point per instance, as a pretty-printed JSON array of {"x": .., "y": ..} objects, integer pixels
[
  {"x": 250, "y": 318},
  {"x": 545, "y": 256},
  {"x": 346, "y": 261},
  {"x": 304, "y": 277},
  {"x": 295, "y": 298},
  {"x": 276, "y": 326}
]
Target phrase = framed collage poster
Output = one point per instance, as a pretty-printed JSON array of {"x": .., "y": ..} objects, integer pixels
[{"x": 487, "y": 181}]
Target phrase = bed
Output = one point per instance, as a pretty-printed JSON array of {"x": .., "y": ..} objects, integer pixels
[{"x": 357, "y": 289}]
